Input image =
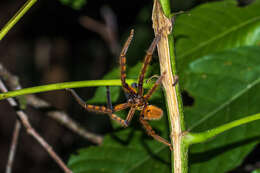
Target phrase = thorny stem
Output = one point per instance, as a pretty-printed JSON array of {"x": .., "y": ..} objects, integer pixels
[
  {"x": 19, "y": 14},
  {"x": 163, "y": 25}
]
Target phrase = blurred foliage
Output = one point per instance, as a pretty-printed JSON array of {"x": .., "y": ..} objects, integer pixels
[
  {"x": 256, "y": 171},
  {"x": 75, "y": 4}
]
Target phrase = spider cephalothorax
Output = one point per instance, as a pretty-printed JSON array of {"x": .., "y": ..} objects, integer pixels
[{"x": 136, "y": 98}]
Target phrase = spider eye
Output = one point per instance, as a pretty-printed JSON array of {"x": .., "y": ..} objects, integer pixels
[{"x": 152, "y": 113}]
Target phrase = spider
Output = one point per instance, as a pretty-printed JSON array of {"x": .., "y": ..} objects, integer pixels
[{"x": 136, "y": 98}]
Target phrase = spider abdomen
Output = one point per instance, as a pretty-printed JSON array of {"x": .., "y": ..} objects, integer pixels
[{"x": 152, "y": 113}]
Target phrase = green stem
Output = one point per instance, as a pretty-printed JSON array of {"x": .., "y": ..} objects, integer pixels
[
  {"x": 60, "y": 86},
  {"x": 184, "y": 147},
  {"x": 166, "y": 7},
  {"x": 16, "y": 17},
  {"x": 193, "y": 138},
  {"x": 162, "y": 24}
]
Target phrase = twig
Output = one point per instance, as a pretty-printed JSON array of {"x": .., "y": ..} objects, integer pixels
[
  {"x": 13, "y": 147},
  {"x": 107, "y": 30},
  {"x": 60, "y": 116},
  {"x": 64, "y": 119},
  {"x": 24, "y": 120},
  {"x": 24, "y": 9},
  {"x": 112, "y": 29}
]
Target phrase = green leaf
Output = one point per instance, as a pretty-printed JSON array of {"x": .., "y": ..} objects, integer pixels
[
  {"x": 134, "y": 153},
  {"x": 256, "y": 171},
  {"x": 75, "y": 4},
  {"x": 225, "y": 87},
  {"x": 213, "y": 27}
]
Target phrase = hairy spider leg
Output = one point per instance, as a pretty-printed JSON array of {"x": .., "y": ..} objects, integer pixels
[
  {"x": 152, "y": 133},
  {"x": 118, "y": 107},
  {"x": 121, "y": 106},
  {"x": 154, "y": 87},
  {"x": 122, "y": 60},
  {"x": 130, "y": 115},
  {"x": 100, "y": 109},
  {"x": 109, "y": 102},
  {"x": 147, "y": 60}
]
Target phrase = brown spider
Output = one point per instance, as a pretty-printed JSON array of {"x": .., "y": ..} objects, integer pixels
[{"x": 136, "y": 99}]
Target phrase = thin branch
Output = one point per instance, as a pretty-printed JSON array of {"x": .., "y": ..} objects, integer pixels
[
  {"x": 19, "y": 14},
  {"x": 64, "y": 119},
  {"x": 107, "y": 30},
  {"x": 193, "y": 138},
  {"x": 13, "y": 147},
  {"x": 24, "y": 120},
  {"x": 60, "y": 116}
]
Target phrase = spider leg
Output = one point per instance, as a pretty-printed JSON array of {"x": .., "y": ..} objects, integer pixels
[
  {"x": 147, "y": 60},
  {"x": 122, "y": 58},
  {"x": 152, "y": 133},
  {"x": 98, "y": 109},
  {"x": 130, "y": 115},
  {"x": 156, "y": 84},
  {"x": 118, "y": 107},
  {"x": 109, "y": 102},
  {"x": 121, "y": 106}
]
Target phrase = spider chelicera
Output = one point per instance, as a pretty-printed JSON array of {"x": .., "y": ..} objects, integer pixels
[{"x": 136, "y": 99}]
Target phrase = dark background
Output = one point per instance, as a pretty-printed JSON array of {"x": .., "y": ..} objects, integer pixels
[{"x": 49, "y": 45}]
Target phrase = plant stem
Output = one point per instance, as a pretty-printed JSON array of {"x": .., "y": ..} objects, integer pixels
[
  {"x": 16, "y": 18},
  {"x": 163, "y": 25},
  {"x": 60, "y": 86},
  {"x": 193, "y": 138}
]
